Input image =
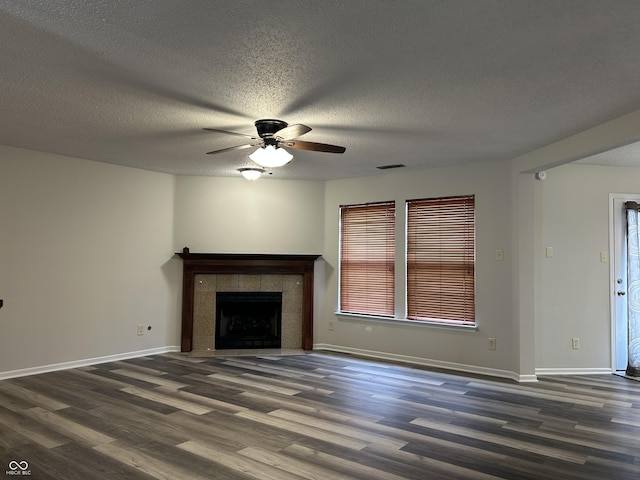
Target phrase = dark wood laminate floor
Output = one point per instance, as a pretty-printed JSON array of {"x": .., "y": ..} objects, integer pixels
[{"x": 315, "y": 416}]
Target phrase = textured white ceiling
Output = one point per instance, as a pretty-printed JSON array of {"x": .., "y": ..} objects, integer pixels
[
  {"x": 424, "y": 83},
  {"x": 627, "y": 156}
]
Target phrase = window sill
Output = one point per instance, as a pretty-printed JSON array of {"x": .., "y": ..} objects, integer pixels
[{"x": 404, "y": 322}]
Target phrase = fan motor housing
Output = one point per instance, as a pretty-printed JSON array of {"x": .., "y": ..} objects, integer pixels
[{"x": 267, "y": 127}]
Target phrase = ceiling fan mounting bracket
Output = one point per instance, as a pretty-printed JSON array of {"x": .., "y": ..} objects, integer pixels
[{"x": 267, "y": 127}]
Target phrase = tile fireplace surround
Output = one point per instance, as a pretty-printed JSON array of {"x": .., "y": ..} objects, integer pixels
[{"x": 205, "y": 274}]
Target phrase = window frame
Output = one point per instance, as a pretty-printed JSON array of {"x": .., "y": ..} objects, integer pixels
[
  {"x": 468, "y": 317},
  {"x": 357, "y": 306}
]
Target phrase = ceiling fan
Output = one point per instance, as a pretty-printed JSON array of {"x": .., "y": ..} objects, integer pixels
[{"x": 278, "y": 134}]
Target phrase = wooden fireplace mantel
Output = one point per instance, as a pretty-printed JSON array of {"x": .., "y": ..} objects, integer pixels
[{"x": 247, "y": 264}]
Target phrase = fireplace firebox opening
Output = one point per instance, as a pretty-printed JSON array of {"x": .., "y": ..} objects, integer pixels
[{"x": 248, "y": 320}]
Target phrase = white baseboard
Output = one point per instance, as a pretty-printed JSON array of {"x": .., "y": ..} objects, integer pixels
[
  {"x": 573, "y": 371},
  {"x": 23, "y": 372},
  {"x": 458, "y": 367}
]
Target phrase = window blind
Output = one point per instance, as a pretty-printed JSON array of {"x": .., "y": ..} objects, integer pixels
[
  {"x": 367, "y": 258},
  {"x": 441, "y": 259}
]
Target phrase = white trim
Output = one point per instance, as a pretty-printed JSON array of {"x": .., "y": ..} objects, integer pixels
[
  {"x": 23, "y": 372},
  {"x": 612, "y": 277},
  {"x": 458, "y": 367},
  {"x": 406, "y": 323},
  {"x": 573, "y": 371}
]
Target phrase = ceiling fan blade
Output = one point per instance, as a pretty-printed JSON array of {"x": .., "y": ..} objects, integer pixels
[
  {"x": 292, "y": 131},
  {"x": 238, "y": 147},
  {"x": 252, "y": 137},
  {"x": 316, "y": 147}
]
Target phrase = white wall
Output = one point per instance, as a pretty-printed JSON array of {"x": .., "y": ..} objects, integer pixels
[
  {"x": 85, "y": 256},
  {"x": 490, "y": 182},
  {"x": 266, "y": 216},
  {"x": 574, "y": 284},
  {"x": 234, "y": 215}
]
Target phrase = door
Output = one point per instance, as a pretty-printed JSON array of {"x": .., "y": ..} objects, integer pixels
[{"x": 618, "y": 287}]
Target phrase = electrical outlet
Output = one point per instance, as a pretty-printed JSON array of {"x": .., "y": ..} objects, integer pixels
[
  {"x": 331, "y": 325},
  {"x": 140, "y": 329},
  {"x": 499, "y": 255},
  {"x": 604, "y": 257},
  {"x": 491, "y": 343},
  {"x": 575, "y": 343}
]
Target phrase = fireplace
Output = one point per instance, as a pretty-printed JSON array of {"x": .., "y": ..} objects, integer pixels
[
  {"x": 205, "y": 274},
  {"x": 248, "y": 320}
]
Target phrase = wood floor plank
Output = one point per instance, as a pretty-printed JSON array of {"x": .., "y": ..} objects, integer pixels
[
  {"x": 304, "y": 402},
  {"x": 68, "y": 427},
  {"x": 426, "y": 445},
  {"x": 564, "y": 436},
  {"x": 207, "y": 402},
  {"x": 512, "y": 442},
  {"x": 151, "y": 378},
  {"x": 433, "y": 467},
  {"x": 34, "y": 398},
  {"x": 166, "y": 399},
  {"x": 392, "y": 377},
  {"x": 88, "y": 463},
  {"x": 248, "y": 364},
  {"x": 300, "y": 468},
  {"x": 89, "y": 374},
  {"x": 288, "y": 384},
  {"x": 323, "y": 467},
  {"x": 14, "y": 403},
  {"x": 247, "y": 466},
  {"x": 533, "y": 394},
  {"x": 336, "y": 427},
  {"x": 610, "y": 436},
  {"x": 358, "y": 470},
  {"x": 32, "y": 429},
  {"x": 70, "y": 462},
  {"x": 337, "y": 439},
  {"x": 232, "y": 430},
  {"x": 249, "y": 383},
  {"x": 442, "y": 409},
  {"x": 152, "y": 466}
]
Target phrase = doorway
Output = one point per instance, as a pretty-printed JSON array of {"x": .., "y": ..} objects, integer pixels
[{"x": 618, "y": 278}]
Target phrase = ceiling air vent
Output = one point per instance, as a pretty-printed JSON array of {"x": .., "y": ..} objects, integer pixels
[{"x": 387, "y": 167}]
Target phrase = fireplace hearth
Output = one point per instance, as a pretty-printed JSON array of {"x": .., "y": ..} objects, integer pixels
[{"x": 248, "y": 320}]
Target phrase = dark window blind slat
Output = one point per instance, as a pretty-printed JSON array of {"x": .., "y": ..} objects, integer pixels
[
  {"x": 441, "y": 259},
  {"x": 367, "y": 258}
]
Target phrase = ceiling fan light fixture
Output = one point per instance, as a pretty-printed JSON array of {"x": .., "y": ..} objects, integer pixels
[
  {"x": 270, "y": 156},
  {"x": 251, "y": 173}
]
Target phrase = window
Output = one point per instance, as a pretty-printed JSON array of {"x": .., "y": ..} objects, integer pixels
[
  {"x": 441, "y": 259},
  {"x": 367, "y": 258}
]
